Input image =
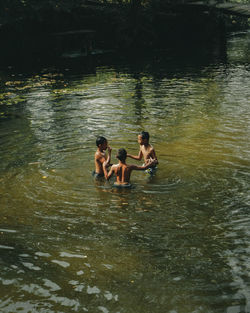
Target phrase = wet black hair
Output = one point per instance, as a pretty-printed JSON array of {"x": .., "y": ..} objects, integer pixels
[
  {"x": 100, "y": 140},
  {"x": 121, "y": 154},
  {"x": 144, "y": 135}
]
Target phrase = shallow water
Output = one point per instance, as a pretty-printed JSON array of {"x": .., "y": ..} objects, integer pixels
[{"x": 176, "y": 242}]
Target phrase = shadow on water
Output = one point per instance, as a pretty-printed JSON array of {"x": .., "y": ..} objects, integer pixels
[{"x": 177, "y": 53}]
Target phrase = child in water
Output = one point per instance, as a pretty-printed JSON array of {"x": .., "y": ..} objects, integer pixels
[
  {"x": 101, "y": 160},
  {"x": 123, "y": 170},
  {"x": 146, "y": 151}
]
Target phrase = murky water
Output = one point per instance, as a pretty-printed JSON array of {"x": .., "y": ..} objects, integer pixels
[{"x": 177, "y": 242}]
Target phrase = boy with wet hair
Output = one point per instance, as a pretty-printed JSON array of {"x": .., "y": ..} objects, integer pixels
[
  {"x": 123, "y": 170},
  {"x": 101, "y": 159},
  {"x": 146, "y": 151}
]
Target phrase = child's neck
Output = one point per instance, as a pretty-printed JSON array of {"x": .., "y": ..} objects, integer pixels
[
  {"x": 100, "y": 150},
  {"x": 122, "y": 162}
]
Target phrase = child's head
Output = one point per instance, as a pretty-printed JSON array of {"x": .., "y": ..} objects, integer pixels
[
  {"x": 101, "y": 142},
  {"x": 143, "y": 138},
  {"x": 121, "y": 155}
]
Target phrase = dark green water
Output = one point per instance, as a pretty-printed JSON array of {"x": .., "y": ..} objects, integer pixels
[{"x": 177, "y": 242}]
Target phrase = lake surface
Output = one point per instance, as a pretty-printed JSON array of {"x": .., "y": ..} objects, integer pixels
[{"x": 177, "y": 242}]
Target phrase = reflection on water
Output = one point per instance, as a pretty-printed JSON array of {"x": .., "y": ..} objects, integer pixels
[{"x": 175, "y": 242}]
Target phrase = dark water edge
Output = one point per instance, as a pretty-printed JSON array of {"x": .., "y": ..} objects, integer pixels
[
  {"x": 29, "y": 32},
  {"x": 33, "y": 47},
  {"x": 183, "y": 53}
]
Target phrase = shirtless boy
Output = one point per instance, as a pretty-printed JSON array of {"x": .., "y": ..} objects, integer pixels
[
  {"x": 100, "y": 157},
  {"x": 146, "y": 150},
  {"x": 123, "y": 170}
]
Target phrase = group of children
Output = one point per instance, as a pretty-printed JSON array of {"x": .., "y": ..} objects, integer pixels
[{"x": 123, "y": 170}]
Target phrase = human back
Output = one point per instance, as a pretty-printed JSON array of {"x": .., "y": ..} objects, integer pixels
[{"x": 123, "y": 170}]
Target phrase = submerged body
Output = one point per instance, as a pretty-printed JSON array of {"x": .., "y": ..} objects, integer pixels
[
  {"x": 146, "y": 151},
  {"x": 101, "y": 159},
  {"x": 122, "y": 170}
]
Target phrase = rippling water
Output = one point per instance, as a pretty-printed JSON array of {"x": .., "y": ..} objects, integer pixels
[{"x": 177, "y": 242}]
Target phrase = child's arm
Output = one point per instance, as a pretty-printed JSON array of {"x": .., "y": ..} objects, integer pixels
[
  {"x": 106, "y": 173},
  {"x": 109, "y": 155},
  {"x": 105, "y": 167},
  {"x": 144, "y": 167},
  {"x": 138, "y": 158},
  {"x": 154, "y": 157}
]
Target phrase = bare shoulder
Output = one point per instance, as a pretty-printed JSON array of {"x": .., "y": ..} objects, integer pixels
[
  {"x": 114, "y": 166},
  {"x": 152, "y": 150},
  {"x": 97, "y": 154},
  {"x": 153, "y": 153}
]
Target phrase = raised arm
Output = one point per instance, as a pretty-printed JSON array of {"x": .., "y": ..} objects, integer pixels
[
  {"x": 154, "y": 157},
  {"x": 109, "y": 155},
  {"x": 136, "y": 157}
]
